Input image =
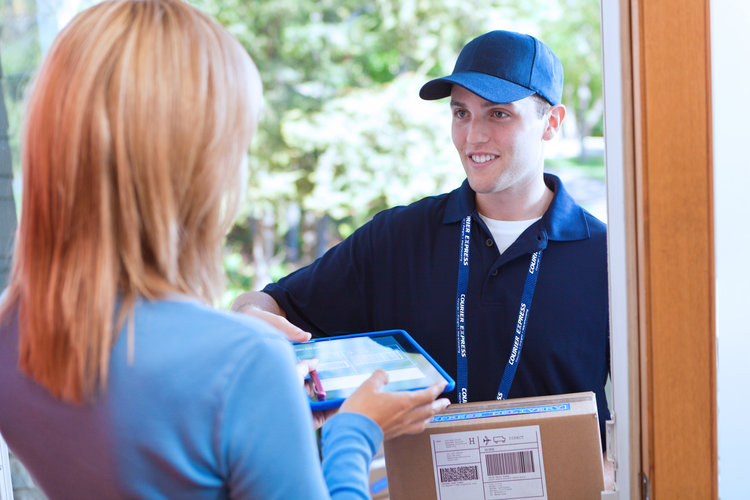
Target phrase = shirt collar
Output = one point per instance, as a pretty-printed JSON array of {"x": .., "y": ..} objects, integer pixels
[{"x": 563, "y": 220}]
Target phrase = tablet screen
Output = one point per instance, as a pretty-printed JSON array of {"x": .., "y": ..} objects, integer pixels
[{"x": 347, "y": 361}]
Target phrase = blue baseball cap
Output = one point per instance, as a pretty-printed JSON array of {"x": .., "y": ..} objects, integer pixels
[{"x": 502, "y": 67}]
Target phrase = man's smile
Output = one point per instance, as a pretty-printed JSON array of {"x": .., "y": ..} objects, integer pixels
[{"x": 482, "y": 158}]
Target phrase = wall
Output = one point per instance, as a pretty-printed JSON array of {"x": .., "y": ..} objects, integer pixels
[{"x": 730, "y": 54}]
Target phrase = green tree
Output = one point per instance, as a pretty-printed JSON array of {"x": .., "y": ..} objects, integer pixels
[
  {"x": 575, "y": 35},
  {"x": 344, "y": 134}
]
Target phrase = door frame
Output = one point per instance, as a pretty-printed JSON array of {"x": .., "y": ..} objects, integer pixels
[{"x": 660, "y": 212}]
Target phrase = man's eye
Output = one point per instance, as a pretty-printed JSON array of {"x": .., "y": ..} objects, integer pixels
[
  {"x": 459, "y": 113},
  {"x": 499, "y": 114}
]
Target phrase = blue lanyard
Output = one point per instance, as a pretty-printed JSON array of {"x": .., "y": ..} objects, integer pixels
[
  {"x": 463, "y": 282},
  {"x": 523, "y": 315}
]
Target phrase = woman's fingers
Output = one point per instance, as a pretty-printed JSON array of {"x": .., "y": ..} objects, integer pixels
[
  {"x": 396, "y": 412},
  {"x": 306, "y": 366}
]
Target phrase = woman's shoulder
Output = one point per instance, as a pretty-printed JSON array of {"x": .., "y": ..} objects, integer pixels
[{"x": 184, "y": 322}]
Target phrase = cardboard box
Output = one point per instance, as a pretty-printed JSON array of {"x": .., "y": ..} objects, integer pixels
[
  {"x": 542, "y": 447},
  {"x": 378, "y": 480}
]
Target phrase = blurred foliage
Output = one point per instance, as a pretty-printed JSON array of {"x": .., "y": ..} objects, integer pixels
[
  {"x": 20, "y": 56},
  {"x": 343, "y": 132},
  {"x": 592, "y": 167}
]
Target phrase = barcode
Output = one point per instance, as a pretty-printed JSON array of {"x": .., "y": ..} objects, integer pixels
[
  {"x": 517, "y": 462},
  {"x": 453, "y": 474}
]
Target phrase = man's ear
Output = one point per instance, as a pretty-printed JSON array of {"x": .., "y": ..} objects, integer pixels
[{"x": 555, "y": 117}]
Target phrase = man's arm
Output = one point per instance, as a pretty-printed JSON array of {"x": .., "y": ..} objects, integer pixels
[{"x": 263, "y": 306}]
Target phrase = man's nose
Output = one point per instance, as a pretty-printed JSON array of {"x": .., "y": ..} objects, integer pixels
[{"x": 477, "y": 132}]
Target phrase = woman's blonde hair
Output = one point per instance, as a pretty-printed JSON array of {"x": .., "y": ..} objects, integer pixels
[{"x": 136, "y": 128}]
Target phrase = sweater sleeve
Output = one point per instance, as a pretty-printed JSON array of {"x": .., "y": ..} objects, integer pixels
[
  {"x": 349, "y": 442},
  {"x": 267, "y": 440}
]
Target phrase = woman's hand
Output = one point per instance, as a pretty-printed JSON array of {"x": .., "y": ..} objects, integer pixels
[
  {"x": 303, "y": 368},
  {"x": 396, "y": 412}
]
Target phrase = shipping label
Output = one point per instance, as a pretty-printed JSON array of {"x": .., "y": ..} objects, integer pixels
[{"x": 489, "y": 464}]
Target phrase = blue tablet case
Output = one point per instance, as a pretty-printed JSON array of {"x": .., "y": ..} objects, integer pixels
[{"x": 345, "y": 361}]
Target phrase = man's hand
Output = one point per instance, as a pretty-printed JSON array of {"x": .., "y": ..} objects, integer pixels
[
  {"x": 609, "y": 474},
  {"x": 263, "y": 306},
  {"x": 292, "y": 332}
]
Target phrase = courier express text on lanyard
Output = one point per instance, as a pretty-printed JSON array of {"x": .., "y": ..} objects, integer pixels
[{"x": 523, "y": 315}]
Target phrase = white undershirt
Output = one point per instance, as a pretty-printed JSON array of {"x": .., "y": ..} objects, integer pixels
[{"x": 505, "y": 232}]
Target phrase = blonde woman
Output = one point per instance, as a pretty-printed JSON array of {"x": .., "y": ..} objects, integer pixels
[{"x": 118, "y": 379}]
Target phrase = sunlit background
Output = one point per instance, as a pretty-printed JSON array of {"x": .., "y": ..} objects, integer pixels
[{"x": 344, "y": 133}]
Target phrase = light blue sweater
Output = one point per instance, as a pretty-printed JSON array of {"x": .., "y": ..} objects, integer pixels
[{"x": 210, "y": 408}]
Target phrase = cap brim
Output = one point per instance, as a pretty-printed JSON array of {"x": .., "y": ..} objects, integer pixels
[{"x": 488, "y": 87}]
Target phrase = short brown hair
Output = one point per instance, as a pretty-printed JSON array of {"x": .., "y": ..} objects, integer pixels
[{"x": 542, "y": 105}]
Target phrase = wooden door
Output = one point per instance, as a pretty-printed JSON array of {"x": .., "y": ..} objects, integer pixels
[{"x": 672, "y": 221}]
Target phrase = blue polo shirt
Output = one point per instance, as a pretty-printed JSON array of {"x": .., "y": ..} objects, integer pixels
[{"x": 400, "y": 271}]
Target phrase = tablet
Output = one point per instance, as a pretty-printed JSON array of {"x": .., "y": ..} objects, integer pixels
[{"x": 344, "y": 362}]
